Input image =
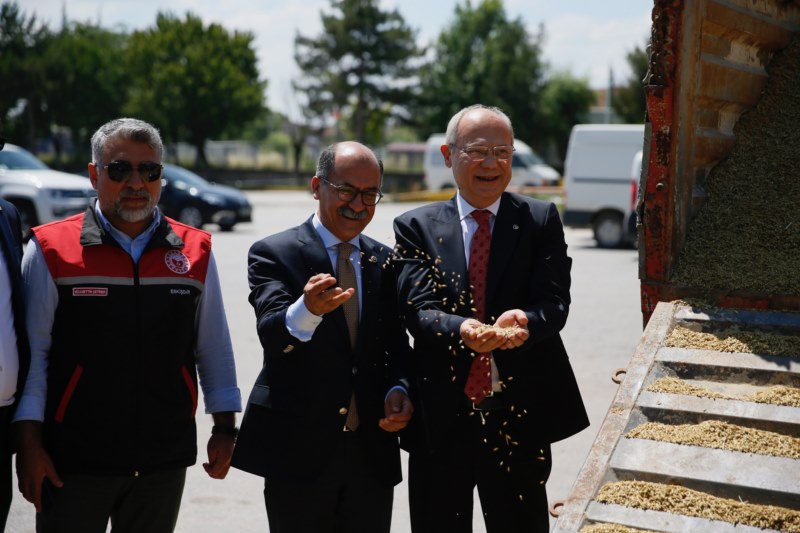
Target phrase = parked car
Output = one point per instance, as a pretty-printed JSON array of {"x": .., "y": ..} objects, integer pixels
[
  {"x": 40, "y": 193},
  {"x": 189, "y": 198}
]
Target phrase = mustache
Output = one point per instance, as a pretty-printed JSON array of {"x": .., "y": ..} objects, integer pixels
[
  {"x": 354, "y": 215},
  {"x": 130, "y": 193}
]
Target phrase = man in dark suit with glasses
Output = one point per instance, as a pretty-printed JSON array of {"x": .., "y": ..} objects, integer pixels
[
  {"x": 485, "y": 278},
  {"x": 321, "y": 421}
]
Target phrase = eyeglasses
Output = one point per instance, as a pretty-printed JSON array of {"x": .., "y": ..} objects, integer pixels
[
  {"x": 121, "y": 170},
  {"x": 502, "y": 152},
  {"x": 347, "y": 193}
]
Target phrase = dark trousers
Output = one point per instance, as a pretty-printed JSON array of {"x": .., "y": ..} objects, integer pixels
[
  {"x": 346, "y": 498},
  {"x": 510, "y": 477},
  {"x": 148, "y": 503},
  {"x": 5, "y": 465}
]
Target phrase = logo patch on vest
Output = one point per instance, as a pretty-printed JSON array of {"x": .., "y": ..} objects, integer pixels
[
  {"x": 177, "y": 262},
  {"x": 90, "y": 291}
]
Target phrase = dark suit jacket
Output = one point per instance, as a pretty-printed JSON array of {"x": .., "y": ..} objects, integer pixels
[
  {"x": 294, "y": 417},
  {"x": 11, "y": 246},
  {"x": 528, "y": 269}
]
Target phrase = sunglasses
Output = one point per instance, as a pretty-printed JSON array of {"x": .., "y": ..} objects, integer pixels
[{"x": 121, "y": 170}]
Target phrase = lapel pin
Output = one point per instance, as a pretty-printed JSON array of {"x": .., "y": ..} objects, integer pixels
[{"x": 373, "y": 259}]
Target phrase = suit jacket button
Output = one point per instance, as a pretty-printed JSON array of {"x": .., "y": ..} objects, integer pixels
[
  {"x": 343, "y": 411},
  {"x": 355, "y": 370}
]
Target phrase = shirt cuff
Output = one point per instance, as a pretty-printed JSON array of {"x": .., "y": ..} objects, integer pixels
[
  {"x": 29, "y": 408},
  {"x": 396, "y": 387},
  {"x": 300, "y": 322}
]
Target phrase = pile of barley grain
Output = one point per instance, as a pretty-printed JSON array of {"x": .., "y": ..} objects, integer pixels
[
  {"x": 774, "y": 395},
  {"x": 610, "y": 528},
  {"x": 680, "y": 500},
  {"x": 747, "y": 234},
  {"x": 721, "y": 436},
  {"x": 735, "y": 340}
]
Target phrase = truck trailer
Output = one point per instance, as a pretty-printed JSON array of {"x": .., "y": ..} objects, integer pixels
[{"x": 704, "y": 432}]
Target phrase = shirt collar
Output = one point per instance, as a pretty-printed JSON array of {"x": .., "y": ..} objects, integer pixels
[
  {"x": 465, "y": 209},
  {"x": 329, "y": 239}
]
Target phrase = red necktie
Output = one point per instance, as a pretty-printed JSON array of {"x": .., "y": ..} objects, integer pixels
[{"x": 479, "y": 381}]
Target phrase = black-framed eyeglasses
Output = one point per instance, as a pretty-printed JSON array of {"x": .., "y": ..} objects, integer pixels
[
  {"x": 121, "y": 170},
  {"x": 347, "y": 193},
  {"x": 502, "y": 152}
]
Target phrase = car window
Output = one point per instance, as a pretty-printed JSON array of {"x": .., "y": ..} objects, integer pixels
[
  {"x": 181, "y": 175},
  {"x": 517, "y": 161},
  {"x": 20, "y": 161},
  {"x": 529, "y": 159}
]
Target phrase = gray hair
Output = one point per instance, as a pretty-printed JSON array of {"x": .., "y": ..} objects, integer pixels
[
  {"x": 326, "y": 164},
  {"x": 130, "y": 129},
  {"x": 452, "y": 126}
]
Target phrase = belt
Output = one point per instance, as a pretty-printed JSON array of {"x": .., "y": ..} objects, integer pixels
[{"x": 495, "y": 402}]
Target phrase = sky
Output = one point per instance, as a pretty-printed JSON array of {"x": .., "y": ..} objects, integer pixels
[{"x": 588, "y": 38}]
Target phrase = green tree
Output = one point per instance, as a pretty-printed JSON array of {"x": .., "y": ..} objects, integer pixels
[
  {"x": 483, "y": 57},
  {"x": 566, "y": 101},
  {"x": 23, "y": 41},
  {"x": 195, "y": 82},
  {"x": 360, "y": 66},
  {"x": 628, "y": 101},
  {"x": 86, "y": 82}
]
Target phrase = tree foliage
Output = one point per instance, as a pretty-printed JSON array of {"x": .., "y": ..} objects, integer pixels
[
  {"x": 483, "y": 57},
  {"x": 360, "y": 66},
  {"x": 23, "y": 41},
  {"x": 566, "y": 101},
  {"x": 628, "y": 101},
  {"x": 86, "y": 78},
  {"x": 195, "y": 82}
]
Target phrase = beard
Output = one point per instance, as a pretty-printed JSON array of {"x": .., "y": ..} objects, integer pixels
[{"x": 135, "y": 215}]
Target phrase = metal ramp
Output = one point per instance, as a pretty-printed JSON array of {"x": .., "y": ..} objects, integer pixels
[{"x": 754, "y": 478}]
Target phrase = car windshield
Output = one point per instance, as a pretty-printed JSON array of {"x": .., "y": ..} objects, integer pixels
[
  {"x": 529, "y": 158},
  {"x": 178, "y": 175},
  {"x": 20, "y": 161}
]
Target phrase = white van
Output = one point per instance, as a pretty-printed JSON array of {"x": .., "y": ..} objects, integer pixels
[
  {"x": 597, "y": 178},
  {"x": 528, "y": 169}
]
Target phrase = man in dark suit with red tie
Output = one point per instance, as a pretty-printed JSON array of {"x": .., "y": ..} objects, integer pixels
[
  {"x": 321, "y": 422},
  {"x": 14, "y": 350},
  {"x": 485, "y": 279}
]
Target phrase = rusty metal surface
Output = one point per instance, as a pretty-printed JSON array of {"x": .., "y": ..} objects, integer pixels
[
  {"x": 707, "y": 67},
  {"x": 752, "y": 477}
]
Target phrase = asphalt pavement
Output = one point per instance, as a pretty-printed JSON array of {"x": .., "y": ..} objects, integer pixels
[{"x": 603, "y": 329}]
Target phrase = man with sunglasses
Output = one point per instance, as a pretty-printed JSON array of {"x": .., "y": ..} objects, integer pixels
[
  {"x": 485, "y": 281},
  {"x": 124, "y": 312},
  {"x": 321, "y": 422}
]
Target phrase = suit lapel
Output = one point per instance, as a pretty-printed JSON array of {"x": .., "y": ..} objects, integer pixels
[
  {"x": 371, "y": 271},
  {"x": 10, "y": 250},
  {"x": 505, "y": 240}
]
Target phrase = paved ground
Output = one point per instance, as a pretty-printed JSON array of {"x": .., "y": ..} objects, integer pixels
[{"x": 601, "y": 334}]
